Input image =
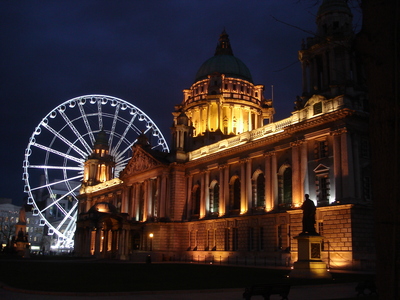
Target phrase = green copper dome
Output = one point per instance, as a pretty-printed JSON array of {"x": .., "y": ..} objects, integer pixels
[{"x": 224, "y": 62}]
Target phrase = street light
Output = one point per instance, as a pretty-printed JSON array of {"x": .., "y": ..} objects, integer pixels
[{"x": 151, "y": 241}]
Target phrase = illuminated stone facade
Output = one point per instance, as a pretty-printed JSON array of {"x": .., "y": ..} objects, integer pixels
[{"x": 231, "y": 188}]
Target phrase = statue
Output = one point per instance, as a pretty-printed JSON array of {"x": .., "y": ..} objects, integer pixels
[{"x": 309, "y": 209}]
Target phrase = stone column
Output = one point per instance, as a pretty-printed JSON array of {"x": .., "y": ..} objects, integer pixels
[
  {"x": 189, "y": 196},
  {"x": 249, "y": 186},
  {"x": 296, "y": 178},
  {"x": 163, "y": 196},
  {"x": 337, "y": 165},
  {"x": 145, "y": 200},
  {"x": 97, "y": 242},
  {"x": 221, "y": 181},
  {"x": 136, "y": 202},
  {"x": 304, "y": 76},
  {"x": 304, "y": 169},
  {"x": 274, "y": 180},
  {"x": 269, "y": 199},
  {"x": 243, "y": 195},
  {"x": 226, "y": 189},
  {"x": 206, "y": 204},
  {"x": 121, "y": 245},
  {"x": 202, "y": 196},
  {"x": 347, "y": 166}
]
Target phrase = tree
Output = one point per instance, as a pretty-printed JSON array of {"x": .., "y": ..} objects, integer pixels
[{"x": 8, "y": 219}]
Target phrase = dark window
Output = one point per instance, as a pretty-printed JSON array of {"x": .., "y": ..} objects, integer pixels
[
  {"x": 250, "y": 239},
  {"x": 235, "y": 239},
  {"x": 320, "y": 149},
  {"x": 235, "y": 194},
  {"x": 261, "y": 239},
  {"x": 196, "y": 200},
  {"x": 317, "y": 108},
  {"x": 214, "y": 198},
  {"x": 260, "y": 190},
  {"x": 227, "y": 239},
  {"x": 287, "y": 186}
]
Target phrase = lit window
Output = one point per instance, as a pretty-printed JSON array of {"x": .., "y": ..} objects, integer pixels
[
  {"x": 214, "y": 198},
  {"x": 323, "y": 189}
]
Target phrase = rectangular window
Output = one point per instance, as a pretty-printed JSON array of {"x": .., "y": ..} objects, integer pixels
[
  {"x": 320, "y": 149},
  {"x": 234, "y": 239},
  {"x": 250, "y": 239},
  {"x": 261, "y": 238},
  {"x": 317, "y": 108},
  {"x": 280, "y": 241},
  {"x": 227, "y": 240},
  {"x": 367, "y": 188},
  {"x": 323, "y": 189}
]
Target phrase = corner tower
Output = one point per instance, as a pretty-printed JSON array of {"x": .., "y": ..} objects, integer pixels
[
  {"x": 328, "y": 59},
  {"x": 223, "y": 101},
  {"x": 99, "y": 166}
]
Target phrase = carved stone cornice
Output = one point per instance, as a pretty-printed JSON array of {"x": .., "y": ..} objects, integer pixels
[{"x": 339, "y": 131}]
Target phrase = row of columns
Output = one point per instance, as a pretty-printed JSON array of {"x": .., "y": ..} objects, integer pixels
[
  {"x": 145, "y": 199},
  {"x": 246, "y": 186},
  {"x": 215, "y": 115},
  {"x": 100, "y": 242},
  {"x": 343, "y": 166}
]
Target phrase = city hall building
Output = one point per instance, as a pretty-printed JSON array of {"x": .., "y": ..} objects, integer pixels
[{"x": 232, "y": 187}]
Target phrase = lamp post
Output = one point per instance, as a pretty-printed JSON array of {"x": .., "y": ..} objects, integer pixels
[{"x": 151, "y": 241}]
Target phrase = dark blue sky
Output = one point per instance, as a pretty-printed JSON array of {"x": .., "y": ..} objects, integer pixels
[{"x": 145, "y": 52}]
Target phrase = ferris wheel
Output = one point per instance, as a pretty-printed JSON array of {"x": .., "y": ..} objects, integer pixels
[{"x": 60, "y": 144}]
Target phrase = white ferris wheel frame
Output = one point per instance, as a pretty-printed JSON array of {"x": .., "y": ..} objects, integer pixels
[{"x": 100, "y": 109}]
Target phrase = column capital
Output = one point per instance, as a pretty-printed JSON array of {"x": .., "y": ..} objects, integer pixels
[
  {"x": 245, "y": 160},
  {"x": 338, "y": 131},
  {"x": 223, "y": 166},
  {"x": 296, "y": 143},
  {"x": 269, "y": 153}
]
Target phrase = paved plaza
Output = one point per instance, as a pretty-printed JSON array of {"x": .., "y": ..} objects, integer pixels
[{"x": 312, "y": 292}]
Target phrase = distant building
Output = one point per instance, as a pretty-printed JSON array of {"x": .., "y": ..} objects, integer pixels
[
  {"x": 8, "y": 218},
  {"x": 234, "y": 182},
  {"x": 54, "y": 215}
]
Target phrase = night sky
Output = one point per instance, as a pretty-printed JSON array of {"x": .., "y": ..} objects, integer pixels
[{"x": 144, "y": 52}]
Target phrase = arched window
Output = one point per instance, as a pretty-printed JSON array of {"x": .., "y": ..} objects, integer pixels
[
  {"x": 196, "y": 200},
  {"x": 285, "y": 186},
  {"x": 234, "y": 194},
  {"x": 214, "y": 197},
  {"x": 260, "y": 191}
]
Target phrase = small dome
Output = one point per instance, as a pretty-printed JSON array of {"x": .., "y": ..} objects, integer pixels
[
  {"x": 103, "y": 207},
  {"x": 101, "y": 138},
  {"x": 329, "y": 6},
  {"x": 224, "y": 62}
]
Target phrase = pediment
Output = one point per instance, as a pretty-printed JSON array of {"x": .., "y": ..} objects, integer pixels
[
  {"x": 315, "y": 99},
  {"x": 141, "y": 161},
  {"x": 321, "y": 169}
]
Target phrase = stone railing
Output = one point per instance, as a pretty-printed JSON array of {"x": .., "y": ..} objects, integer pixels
[{"x": 242, "y": 138}]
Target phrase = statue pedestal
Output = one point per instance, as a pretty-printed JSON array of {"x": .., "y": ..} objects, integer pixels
[{"x": 309, "y": 264}]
